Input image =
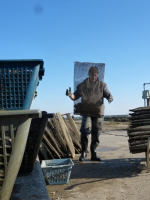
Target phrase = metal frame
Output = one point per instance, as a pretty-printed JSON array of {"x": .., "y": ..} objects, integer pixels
[{"x": 147, "y": 154}]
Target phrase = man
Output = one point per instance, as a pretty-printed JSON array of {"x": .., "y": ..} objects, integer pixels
[{"x": 92, "y": 91}]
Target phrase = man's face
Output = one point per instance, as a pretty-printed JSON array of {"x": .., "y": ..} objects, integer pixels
[{"x": 93, "y": 77}]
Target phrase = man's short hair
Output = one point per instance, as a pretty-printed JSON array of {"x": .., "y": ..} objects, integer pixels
[{"x": 93, "y": 70}]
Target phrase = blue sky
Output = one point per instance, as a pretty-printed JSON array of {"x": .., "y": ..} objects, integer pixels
[{"x": 115, "y": 32}]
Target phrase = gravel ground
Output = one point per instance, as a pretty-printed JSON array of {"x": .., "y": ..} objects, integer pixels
[{"x": 119, "y": 176}]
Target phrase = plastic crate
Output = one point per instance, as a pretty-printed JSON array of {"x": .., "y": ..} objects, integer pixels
[
  {"x": 57, "y": 171},
  {"x": 35, "y": 135},
  {"x": 18, "y": 82},
  {"x": 14, "y": 129}
]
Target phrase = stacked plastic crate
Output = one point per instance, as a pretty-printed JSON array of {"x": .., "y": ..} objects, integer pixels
[{"x": 18, "y": 82}]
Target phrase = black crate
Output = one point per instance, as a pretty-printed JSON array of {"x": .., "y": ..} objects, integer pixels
[{"x": 36, "y": 132}]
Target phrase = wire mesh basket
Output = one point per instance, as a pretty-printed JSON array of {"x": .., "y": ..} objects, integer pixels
[{"x": 57, "y": 171}]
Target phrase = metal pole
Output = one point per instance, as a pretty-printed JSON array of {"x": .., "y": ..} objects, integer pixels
[
  {"x": 145, "y": 99},
  {"x": 148, "y": 102}
]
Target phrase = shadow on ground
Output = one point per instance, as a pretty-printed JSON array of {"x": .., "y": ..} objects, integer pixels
[{"x": 107, "y": 169}]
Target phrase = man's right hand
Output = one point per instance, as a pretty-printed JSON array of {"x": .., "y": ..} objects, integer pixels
[
  {"x": 68, "y": 92},
  {"x": 110, "y": 99}
]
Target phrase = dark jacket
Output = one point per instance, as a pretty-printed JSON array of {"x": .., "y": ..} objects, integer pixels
[{"x": 92, "y": 94}]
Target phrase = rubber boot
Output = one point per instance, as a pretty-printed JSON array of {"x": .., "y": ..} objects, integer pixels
[
  {"x": 84, "y": 145},
  {"x": 94, "y": 156},
  {"x": 83, "y": 156}
]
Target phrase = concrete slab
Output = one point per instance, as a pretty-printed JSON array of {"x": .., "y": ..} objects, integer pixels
[{"x": 30, "y": 187}]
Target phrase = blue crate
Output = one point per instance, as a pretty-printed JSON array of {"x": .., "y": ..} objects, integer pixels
[
  {"x": 18, "y": 82},
  {"x": 57, "y": 171}
]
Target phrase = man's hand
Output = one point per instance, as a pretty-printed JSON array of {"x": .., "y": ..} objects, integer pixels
[
  {"x": 68, "y": 92},
  {"x": 110, "y": 100}
]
